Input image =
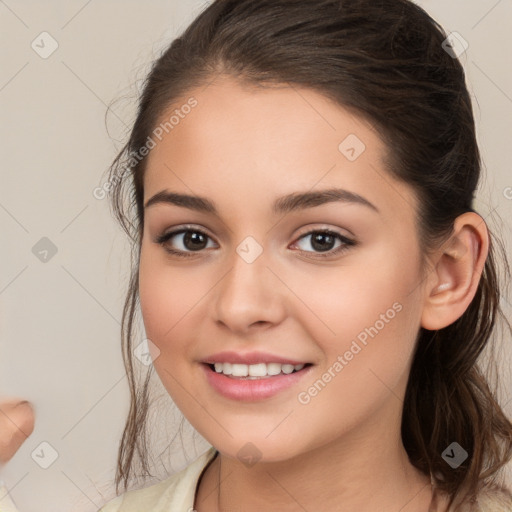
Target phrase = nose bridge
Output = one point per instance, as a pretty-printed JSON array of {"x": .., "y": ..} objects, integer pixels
[{"x": 249, "y": 292}]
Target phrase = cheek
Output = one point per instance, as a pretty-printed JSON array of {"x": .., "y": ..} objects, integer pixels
[
  {"x": 369, "y": 316},
  {"x": 166, "y": 299},
  {"x": 174, "y": 300},
  {"x": 371, "y": 292},
  {"x": 367, "y": 360}
]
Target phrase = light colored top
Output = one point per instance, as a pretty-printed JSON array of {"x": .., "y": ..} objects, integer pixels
[{"x": 176, "y": 493}]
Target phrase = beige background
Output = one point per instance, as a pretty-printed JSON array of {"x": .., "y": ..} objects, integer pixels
[{"x": 59, "y": 320}]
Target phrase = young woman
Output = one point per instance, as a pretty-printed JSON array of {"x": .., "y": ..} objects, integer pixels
[{"x": 314, "y": 281}]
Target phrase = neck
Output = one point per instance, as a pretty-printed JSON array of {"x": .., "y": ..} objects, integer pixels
[{"x": 367, "y": 469}]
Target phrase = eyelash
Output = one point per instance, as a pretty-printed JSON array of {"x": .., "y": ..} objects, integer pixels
[{"x": 346, "y": 242}]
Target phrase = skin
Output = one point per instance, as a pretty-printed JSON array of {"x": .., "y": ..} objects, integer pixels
[
  {"x": 242, "y": 148},
  {"x": 16, "y": 424}
]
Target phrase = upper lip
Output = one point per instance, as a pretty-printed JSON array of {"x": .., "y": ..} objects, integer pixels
[{"x": 249, "y": 358}]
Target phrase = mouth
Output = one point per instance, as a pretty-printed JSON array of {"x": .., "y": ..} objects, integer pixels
[
  {"x": 254, "y": 382},
  {"x": 256, "y": 371}
]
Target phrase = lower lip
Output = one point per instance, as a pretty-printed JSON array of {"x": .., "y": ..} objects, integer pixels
[{"x": 250, "y": 390}]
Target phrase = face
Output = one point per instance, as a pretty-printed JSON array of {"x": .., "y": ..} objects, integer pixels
[{"x": 332, "y": 282}]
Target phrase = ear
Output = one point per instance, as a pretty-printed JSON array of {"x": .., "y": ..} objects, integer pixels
[{"x": 457, "y": 268}]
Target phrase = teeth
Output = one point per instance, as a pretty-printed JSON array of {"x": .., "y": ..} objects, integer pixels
[
  {"x": 239, "y": 370},
  {"x": 256, "y": 370},
  {"x": 287, "y": 368},
  {"x": 273, "y": 369}
]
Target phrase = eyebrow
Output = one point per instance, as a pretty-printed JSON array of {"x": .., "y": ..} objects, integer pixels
[{"x": 289, "y": 203}]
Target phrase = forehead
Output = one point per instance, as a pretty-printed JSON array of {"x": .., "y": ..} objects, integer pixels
[{"x": 258, "y": 143}]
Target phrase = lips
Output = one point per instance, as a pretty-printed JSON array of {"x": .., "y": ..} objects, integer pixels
[
  {"x": 253, "y": 376},
  {"x": 251, "y": 389}
]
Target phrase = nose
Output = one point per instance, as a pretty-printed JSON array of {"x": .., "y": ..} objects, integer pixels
[{"x": 249, "y": 297}]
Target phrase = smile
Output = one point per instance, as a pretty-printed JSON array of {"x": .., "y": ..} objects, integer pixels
[
  {"x": 255, "y": 371},
  {"x": 255, "y": 382}
]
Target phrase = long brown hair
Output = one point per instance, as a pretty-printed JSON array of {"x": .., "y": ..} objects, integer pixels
[{"x": 385, "y": 60}]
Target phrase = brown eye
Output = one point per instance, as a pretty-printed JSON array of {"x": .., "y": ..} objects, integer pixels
[
  {"x": 323, "y": 241},
  {"x": 194, "y": 241},
  {"x": 187, "y": 240}
]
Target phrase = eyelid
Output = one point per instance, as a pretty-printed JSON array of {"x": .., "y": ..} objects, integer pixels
[
  {"x": 325, "y": 227},
  {"x": 186, "y": 227}
]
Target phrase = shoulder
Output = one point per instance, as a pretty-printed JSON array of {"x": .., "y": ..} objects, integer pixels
[
  {"x": 494, "y": 499},
  {"x": 174, "y": 493},
  {"x": 491, "y": 498}
]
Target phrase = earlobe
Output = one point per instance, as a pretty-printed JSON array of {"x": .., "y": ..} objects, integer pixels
[{"x": 458, "y": 266}]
